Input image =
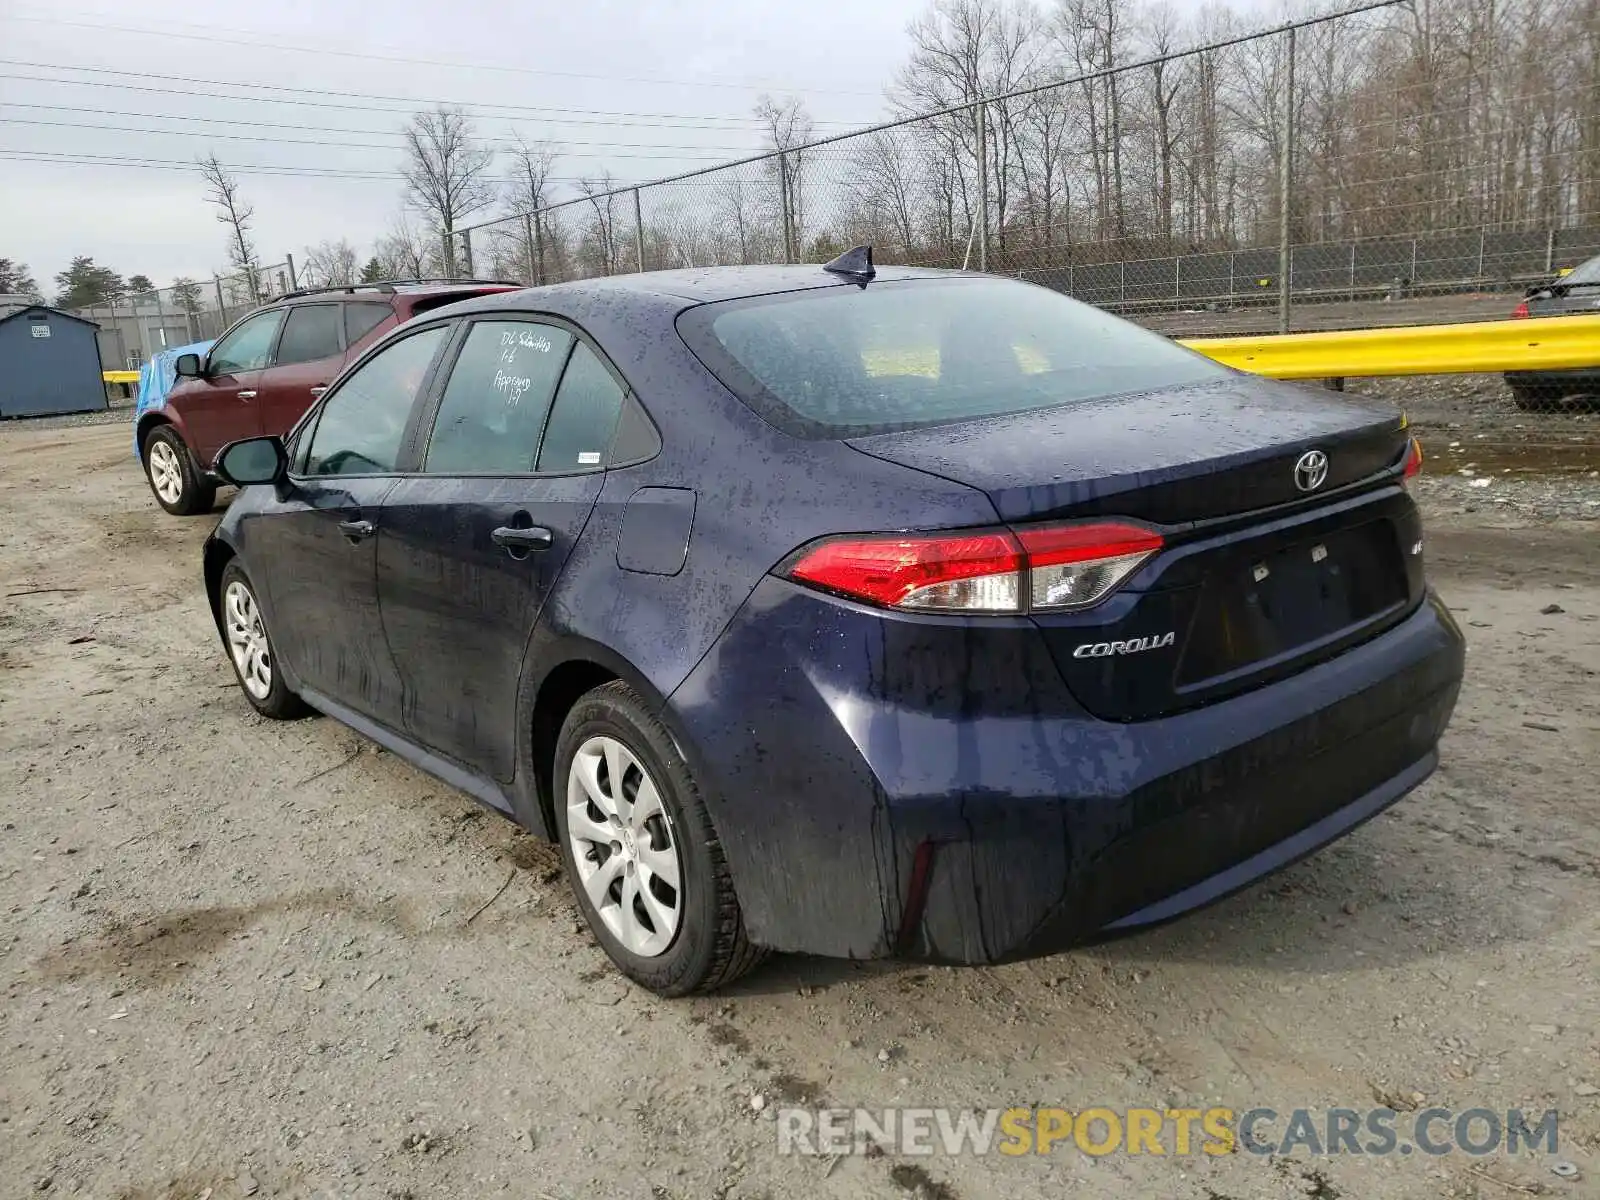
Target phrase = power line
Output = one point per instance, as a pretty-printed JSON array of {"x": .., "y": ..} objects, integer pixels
[
  {"x": 411, "y": 102},
  {"x": 257, "y": 44},
  {"x": 717, "y": 152},
  {"x": 63, "y": 158},
  {"x": 257, "y": 124}
]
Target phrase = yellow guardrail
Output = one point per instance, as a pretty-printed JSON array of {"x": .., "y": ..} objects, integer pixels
[{"x": 1539, "y": 344}]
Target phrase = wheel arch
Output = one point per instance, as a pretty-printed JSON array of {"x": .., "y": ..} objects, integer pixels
[
  {"x": 148, "y": 421},
  {"x": 214, "y": 560},
  {"x": 565, "y": 670}
]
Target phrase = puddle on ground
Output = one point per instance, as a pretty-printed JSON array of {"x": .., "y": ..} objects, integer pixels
[{"x": 1533, "y": 458}]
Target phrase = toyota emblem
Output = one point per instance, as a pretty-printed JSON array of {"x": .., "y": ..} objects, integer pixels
[{"x": 1311, "y": 471}]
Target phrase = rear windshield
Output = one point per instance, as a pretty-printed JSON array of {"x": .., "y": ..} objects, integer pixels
[
  {"x": 846, "y": 361},
  {"x": 1588, "y": 272}
]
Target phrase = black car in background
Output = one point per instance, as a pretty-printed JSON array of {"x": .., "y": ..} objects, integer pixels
[{"x": 1578, "y": 291}]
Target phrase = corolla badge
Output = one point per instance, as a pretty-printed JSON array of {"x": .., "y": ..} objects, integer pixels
[
  {"x": 1131, "y": 646},
  {"x": 1311, "y": 470}
]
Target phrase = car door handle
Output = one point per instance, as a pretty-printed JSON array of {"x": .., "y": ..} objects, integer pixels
[
  {"x": 319, "y": 389},
  {"x": 356, "y": 530},
  {"x": 534, "y": 538},
  {"x": 247, "y": 395}
]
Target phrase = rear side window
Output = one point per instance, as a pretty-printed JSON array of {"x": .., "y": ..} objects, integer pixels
[
  {"x": 584, "y": 416},
  {"x": 495, "y": 403},
  {"x": 311, "y": 332},
  {"x": 362, "y": 319},
  {"x": 847, "y": 361}
]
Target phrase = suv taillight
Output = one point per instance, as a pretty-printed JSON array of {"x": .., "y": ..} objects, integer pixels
[
  {"x": 1049, "y": 568},
  {"x": 1520, "y": 310}
]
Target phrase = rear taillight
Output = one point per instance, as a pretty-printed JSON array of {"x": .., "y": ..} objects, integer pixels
[
  {"x": 1054, "y": 568},
  {"x": 1520, "y": 310},
  {"x": 1413, "y": 458}
]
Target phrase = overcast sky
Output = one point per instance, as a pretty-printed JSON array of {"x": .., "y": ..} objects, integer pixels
[{"x": 661, "y": 88}]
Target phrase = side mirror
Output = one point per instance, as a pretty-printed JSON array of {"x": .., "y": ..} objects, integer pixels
[
  {"x": 187, "y": 366},
  {"x": 253, "y": 460}
]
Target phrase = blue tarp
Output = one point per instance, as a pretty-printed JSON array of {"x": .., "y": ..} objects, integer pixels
[{"x": 156, "y": 378}]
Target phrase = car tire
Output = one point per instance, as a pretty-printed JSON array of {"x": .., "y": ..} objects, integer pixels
[
  {"x": 250, "y": 648},
  {"x": 673, "y": 940},
  {"x": 177, "y": 484}
]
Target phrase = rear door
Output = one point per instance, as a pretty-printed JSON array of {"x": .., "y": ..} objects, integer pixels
[
  {"x": 321, "y": 539},
  {"x": 224, "y": 405},
  {"x": 309, "y": 354},
  {"x": 511, "y": 463}
]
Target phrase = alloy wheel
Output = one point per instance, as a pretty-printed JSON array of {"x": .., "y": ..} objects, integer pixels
[
  {"x": 247, "y": 639},
  {"x": 624, "y": 845},
  {"x": 166, "y": 472}
]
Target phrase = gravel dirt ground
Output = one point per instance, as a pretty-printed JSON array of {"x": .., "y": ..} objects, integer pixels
[{"x": 244, "y": 958}]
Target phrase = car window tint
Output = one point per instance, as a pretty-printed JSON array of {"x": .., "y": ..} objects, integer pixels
[
  {"x": 496, "y": 400},
  {"x": 363, "y": 422},
  {"x": 842, "y": 362},
  {"x": 310, "y": 332},
  {"x": 362, "y": 319},
  {"x": 247, "y": 347},
  {"x": 584, "y": 415}
]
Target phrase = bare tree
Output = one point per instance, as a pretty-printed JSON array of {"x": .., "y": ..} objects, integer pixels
[
  {"x": 331, "y": 264},
  {"x": 786, "y": 125},
  {"x": 406, "y": 251},
  {"x": 237, "y": 214},
  {"x": 599, "y": 240},
  {"x": 446, "y": 172},
  {"x": 741, "y": 234},
  {"x": 531, "y": 165},
  {"x": 885, "y": 179}
]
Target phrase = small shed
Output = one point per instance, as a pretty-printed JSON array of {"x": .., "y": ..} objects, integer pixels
[{"x": 49, "y": 363}]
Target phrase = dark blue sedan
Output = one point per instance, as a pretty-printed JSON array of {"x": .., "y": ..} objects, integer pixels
[{"x": 903, "y": 613}]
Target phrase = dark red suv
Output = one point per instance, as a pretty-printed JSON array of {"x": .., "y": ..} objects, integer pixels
[{"x": 265, "y": 370}]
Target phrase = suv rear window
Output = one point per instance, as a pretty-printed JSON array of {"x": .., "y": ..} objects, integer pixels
[{"x": 845, "y": 361}]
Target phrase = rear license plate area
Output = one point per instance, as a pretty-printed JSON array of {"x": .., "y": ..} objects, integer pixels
[{"x": 1255, "y": 609}]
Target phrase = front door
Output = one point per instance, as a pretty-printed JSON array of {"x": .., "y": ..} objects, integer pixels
[
  {"x": 323, "y": 534},
  {"x": 473, "y": 545},
  {"x": 223, "y": 405}
]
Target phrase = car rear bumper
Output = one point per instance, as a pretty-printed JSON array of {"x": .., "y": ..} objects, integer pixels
[{"x": 877, "y": 798}]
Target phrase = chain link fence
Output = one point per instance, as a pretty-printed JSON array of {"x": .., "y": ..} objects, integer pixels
[
  {"x": 136, "y": 326},
  {"x": 1313, "y": 177}
]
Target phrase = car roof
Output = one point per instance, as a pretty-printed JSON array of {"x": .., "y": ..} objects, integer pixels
[
  {"x": 385, "y": 290},
  {"x": 697, "y": 285}
]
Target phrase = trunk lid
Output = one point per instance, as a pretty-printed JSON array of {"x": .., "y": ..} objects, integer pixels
[
  {"x": 1169, "y": 457},
  {"x": 1259, "y": 577}
]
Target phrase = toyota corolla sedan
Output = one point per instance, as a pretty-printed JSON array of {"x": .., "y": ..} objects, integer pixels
[{"x": 860, "y": 613}]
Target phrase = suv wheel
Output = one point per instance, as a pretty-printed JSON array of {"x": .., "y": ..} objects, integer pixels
[
  {"x": 644, "y": 861},
  {"x": 177, "y": 483}
]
